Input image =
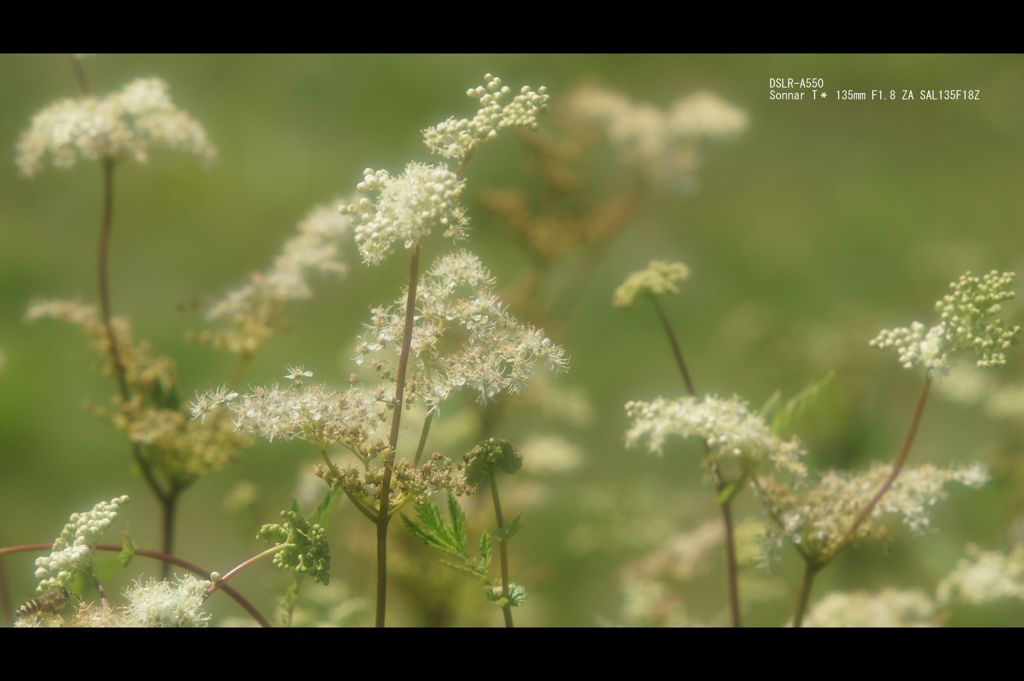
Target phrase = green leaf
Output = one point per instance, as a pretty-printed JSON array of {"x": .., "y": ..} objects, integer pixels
[
  {"x": 484, "y": 564},
  {"x": 727, "y": 492},
  {"x": 323, "y": 510},
  {"x": 127, "y": 551},
  {"x": 423, "y": 535},
  {"x": 503, "y": 534},
  {"x": 796, "y": 406},
  {"x": 458, "y": 522},
  {"x": 464, "y": 569}
]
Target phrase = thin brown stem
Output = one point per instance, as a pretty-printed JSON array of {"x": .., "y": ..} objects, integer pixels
[
  {"x": 725, "y": 505},
  {"x": 423, "y": 438},
  {"x": 99, "y": 590},
  {"x": 383, "y": 516},
  {"x": 168, "y": 509},
  {"x": 220, "y": 583},
  {"x": 810, "y": 572},
  {"x": 901, "y": 460},
  {"x": 502, "y": 552},
  {"x": 80, "y": 78},
  {"x": 156, "y": 555}
]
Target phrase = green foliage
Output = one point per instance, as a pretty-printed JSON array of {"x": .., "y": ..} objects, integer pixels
[
  {"x": 305, "y": 546},
  {"x": 451, "y": 538},
  {"x": 783, "y": 418},
  {"x": 489, "y": 455},
  {"x": 509, "y": 531},
  {"x": 127, "y": 551},
  {"x": 516, "y": 595}
]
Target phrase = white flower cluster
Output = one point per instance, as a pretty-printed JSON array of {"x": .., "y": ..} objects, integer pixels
[
  {"x": 457, "y": 138},
  {"x": 72, "y": 550},
  {"x": 984, "y": 576},
  {"x": 658, "y": 278},
  {"x": 406, "y": 208},
  {"x": 158, "y": 603},
  {"x": 888, "y": 608},
  {"x": 727, "y": 426},
  {"x": 662, "y": 142},
  {"x": 968, "y": 323},
  {"x": 310, "y": 412},
  {"x": 464, "y": 337},
  {"x": 253, "y": 310},
  {"x": 126, "y": 123},
  {"x": 820, "y": 519}
]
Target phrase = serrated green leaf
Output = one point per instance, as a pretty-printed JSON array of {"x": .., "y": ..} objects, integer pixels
[
  {"x": 458, "y": 523},
  {"x": 127, "y": 551},
  {"x": 484, "y": 564},
  {"x": 464, "y": 569},
  {"x": 323, "y": 510},
  {"x": 505, "y": 533},
  {"x": 422, "y": 534},
  {"x": 796, "y": 406}
]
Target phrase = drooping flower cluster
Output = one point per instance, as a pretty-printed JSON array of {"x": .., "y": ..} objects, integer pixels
[
  {"x": 252, "y": 313},
  {"x": 887, "y": 608},
  {"x": 983, "y": 577},
  {"x": 311, "y": 412},
  {"x": 728, "y": 427},
  {"x": 660, "y": 142},
  {"x": 124, "y": 124},
  {"x": 968, "y": 322},
  {"x": 819, "y": 518},
  {"x": 464, "y": 337},
  {"x": 458, "y": 138},
  {"x": 406, "y": 208},
  {"x": 72, "y": 550},
  {"x": 657, "y": 279}
]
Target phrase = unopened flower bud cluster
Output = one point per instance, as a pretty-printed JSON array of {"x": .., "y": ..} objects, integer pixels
[
  {"x": 72, "y": 550},
  {"x": 968, "y": 323},
  {"x": 457, "y": 138},
  {"x": 657, "y": 279}
]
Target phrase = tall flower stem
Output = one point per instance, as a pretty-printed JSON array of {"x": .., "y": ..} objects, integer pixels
[
  {"x": 383, "y": 515},
  {"x": 166, "y": 497},
  {"x": 811, "y": 570},
  {"x": 813, "y": 567},
  {"x": 724, "y": 503},
  {"x": 502, "y": 552},
  {"x": 157, "y": 555}
]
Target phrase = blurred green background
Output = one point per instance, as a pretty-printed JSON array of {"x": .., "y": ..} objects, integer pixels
[{"x": 820, "y": 225}]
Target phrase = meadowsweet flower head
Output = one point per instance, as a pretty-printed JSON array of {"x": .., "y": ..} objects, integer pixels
[
  {"x": 657, "y": 279},
  {"x": 490, "y": 455},
  {"x": 406, "y": 208},
  {"x": 968, "y": 323},
  {"x": 159, "y": 603},
  {"x": 983, "y": 577},
  {"x": 302, "y": 410},
  {"x": 819, "y": 518},
  {"x": 72, "y": 550},
  {"x": 659, "y": 142},
  {"x": 464, "y": 337},
  {"x": 728, "y": 426},
  {"x": 125, "y": 124},
  {"x": 888, "y": 608},
  {"x": 252, "y": 313},
  {"x": 457, "y": 138}
]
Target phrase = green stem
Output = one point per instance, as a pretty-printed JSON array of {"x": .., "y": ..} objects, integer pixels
[
  {"x": 502, "y": 551},
  {"x": 423, "y": 438},
  {"x": 244, "y": 564},
  {"x": 811, "y": 570},
  {"x": 725, "y": 505},
  {"x": 396, "y": 417}
]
